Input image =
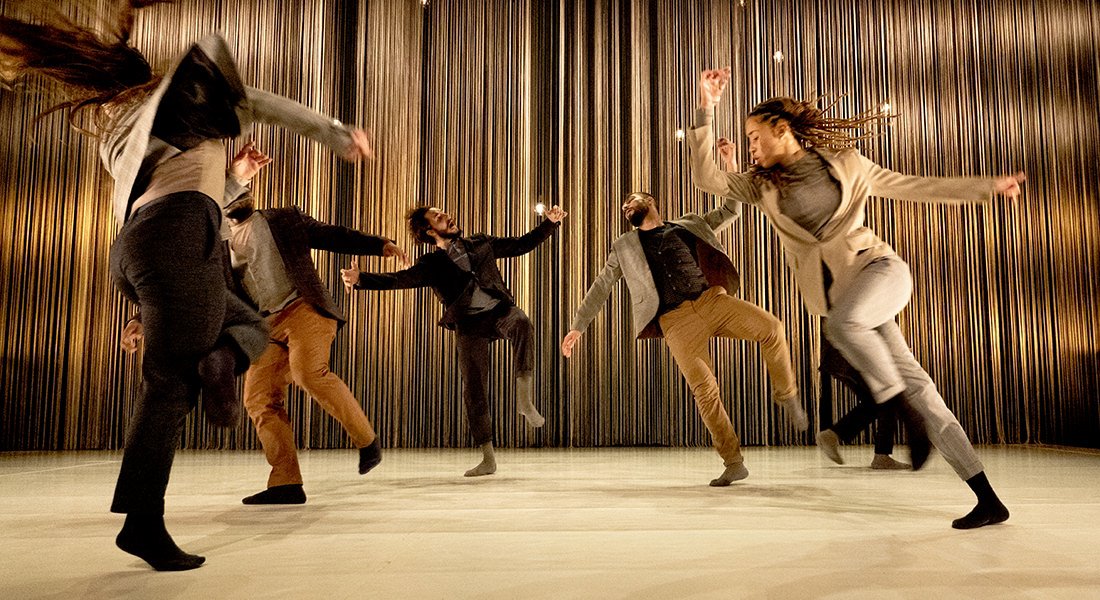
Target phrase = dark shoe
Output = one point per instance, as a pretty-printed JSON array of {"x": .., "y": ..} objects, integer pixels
[
  {"x": 985, "y": 513},
  {"x": 218, "y": 378},
  {"x": 370, "y": 456},
  {"x": 291, "y": 493}
]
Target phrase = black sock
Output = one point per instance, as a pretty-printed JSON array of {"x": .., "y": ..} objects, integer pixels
[
  {"x": 989, "y": 510},
  {"x": 291, "y": 493},
  {"x": 370, "y": 456},
  {"x": 980, "y": 485},
  {"x": 145, "y": 536}
]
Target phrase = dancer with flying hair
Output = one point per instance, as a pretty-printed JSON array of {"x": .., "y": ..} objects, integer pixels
[
  {"x": 813, "y": 185},
  {"x": 161, "y": 138},
  {"x": 833, "y": 366}
]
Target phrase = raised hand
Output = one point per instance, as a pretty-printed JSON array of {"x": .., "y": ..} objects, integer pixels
[
  {"x": 569, "y": 341},
  {"x": 248, "y": 162},
  {"x": 712, "y": 83},
  {"x": 556, "y": 214},
  {"x": 350, "y": 275},
  {"x": 391, "y": 249},
  {"x": 726, "y": 152},
  {"x": 362, "y": 146},
  {"x": 1009, "y": 185},
  {"x": 131, "y": 335}
]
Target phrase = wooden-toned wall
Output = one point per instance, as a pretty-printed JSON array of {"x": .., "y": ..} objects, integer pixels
[{"x": 485, "y": 107}]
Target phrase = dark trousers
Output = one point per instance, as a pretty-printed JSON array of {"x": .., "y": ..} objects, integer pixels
[
  {"x": 168, "y": 259},
  {"x": 866, "y": 412},
  {"x": 474, "y": 333}
]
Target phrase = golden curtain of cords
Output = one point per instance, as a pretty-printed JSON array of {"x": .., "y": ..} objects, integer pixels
[{"x": 485, "y": 107}]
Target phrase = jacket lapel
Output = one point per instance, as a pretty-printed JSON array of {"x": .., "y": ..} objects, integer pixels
[
  {"x": 636, "y": 264},
  {"x": 843, "y": 175}
]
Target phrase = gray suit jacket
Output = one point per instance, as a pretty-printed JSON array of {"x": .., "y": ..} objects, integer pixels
[
  {"x": 627, "y": 260},
  {"x": 205, "y": 80}
]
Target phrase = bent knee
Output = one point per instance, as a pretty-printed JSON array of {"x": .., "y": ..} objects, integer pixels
[
  {"x": 771, "y": 331},
  {"x": 841, "y": 327},
  {"x": 303, "y": 375}
]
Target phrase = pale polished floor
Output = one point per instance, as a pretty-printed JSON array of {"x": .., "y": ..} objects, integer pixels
[{"x": 613, "y": 523}]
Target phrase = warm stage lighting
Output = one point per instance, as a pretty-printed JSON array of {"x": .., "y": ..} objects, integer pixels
[
  {"x": 679, "y": 135},
  {"x": 540, "y": 208},
  {"x": 778, "y": 56}
]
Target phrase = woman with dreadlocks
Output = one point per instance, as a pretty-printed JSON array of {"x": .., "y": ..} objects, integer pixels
[
  {"x": 160, "y": 137},
  {"x": 813, "y": 186}
]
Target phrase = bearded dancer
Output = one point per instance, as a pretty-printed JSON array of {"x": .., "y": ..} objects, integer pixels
[
  {"x": 680, "y": 281},
  {"x": 477, "y": 306}
]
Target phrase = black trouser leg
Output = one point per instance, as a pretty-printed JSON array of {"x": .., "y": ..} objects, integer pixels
[
  {"x": 473, "y": 363},
  {"x": 886, "y": 427},
  {"x": 169, "y": 257},
  {"x": 515, "y": 327}
]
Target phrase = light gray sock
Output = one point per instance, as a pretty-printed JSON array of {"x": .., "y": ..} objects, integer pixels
[
  {"x": 731, "y": 474},
  {"x": 887, "y": 462},
  {"x": 796, "y": 416},
  {"x": 829, "y": 444},
  {"x": 525, "y": 393},
  {"x": 488, "y": 464}
]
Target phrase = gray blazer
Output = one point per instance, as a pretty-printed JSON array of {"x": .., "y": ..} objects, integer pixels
[
  {"x": 627, "y": 260},
  {"x": 129, "y": 150}
]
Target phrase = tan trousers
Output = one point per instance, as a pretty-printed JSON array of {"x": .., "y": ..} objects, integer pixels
[
  {"x": 688, "y": 329},
  {"x": 301, "y": 339}
]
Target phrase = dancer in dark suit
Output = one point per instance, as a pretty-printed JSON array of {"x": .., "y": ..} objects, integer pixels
[{"x": 477, "y": 306}]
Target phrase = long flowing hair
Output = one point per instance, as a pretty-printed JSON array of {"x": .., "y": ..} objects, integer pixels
[
  {"x": 812, "y": 127},
  {"x": 90, "y": 69}
]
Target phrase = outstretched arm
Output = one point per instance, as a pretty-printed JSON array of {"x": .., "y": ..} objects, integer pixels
[
  {"x": 335, "y": 238},
  {"x": 942, "y": 190},
  {"x": 505, "y": 247},
  {"x": 413, "y": 277},
  {"x": 594, "y": 300},
  {"x": 349, "y": 143}
]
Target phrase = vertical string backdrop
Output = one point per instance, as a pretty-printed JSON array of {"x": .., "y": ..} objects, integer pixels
[{"x": 485, "y": 108}]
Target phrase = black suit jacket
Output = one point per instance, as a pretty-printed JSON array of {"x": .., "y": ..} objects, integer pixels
[
  {"x": 454, "y": 286},
  {"x": 295, "y": 233}
]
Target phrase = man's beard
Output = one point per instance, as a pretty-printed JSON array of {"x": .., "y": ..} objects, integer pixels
[
  {"x": 448, "y": 235},
  {"x": 637, "y": 217}
]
